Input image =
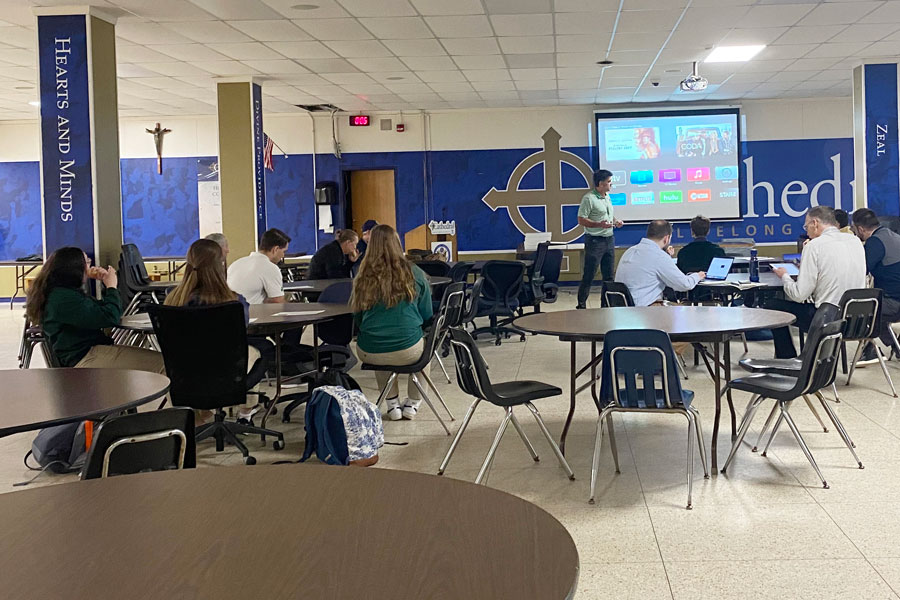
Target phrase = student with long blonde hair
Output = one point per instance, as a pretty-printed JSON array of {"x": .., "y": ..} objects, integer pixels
[{"x": 391, "y": 300}]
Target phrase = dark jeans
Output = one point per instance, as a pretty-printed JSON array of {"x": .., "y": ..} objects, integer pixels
[
  {"x": 598, "y": 250},
  {"x": 784, "y": 341},
  {"x": 890, "y": 313}
]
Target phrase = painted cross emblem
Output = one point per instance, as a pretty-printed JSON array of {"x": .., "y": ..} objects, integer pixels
[{"x": 553, "y": 197}]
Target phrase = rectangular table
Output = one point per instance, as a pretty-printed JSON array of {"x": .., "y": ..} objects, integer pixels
[{"x": 23, "y": 268}]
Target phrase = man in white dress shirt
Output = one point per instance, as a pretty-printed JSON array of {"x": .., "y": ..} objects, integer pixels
[{"x": 832, "y": 263}]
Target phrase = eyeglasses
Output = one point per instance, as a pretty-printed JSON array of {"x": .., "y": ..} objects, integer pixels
[{"x": 806, "y": 226}]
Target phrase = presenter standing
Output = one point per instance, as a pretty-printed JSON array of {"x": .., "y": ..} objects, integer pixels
[{"x": 596, "y": 215}]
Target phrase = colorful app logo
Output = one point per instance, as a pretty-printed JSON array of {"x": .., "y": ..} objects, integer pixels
[
  {"x": 699, "y": 195},
  {"x": 618, "y": 177},
  {"x": 671, "y": 197},
  {"x": 698, "y": 174},
  {"x": 641, "y": 177},
  {"x": 670, "y": 175},
  {"x": 728, "y": 194},
  {"x": 617, "y": 199},
  {"x": 726, "y": 173},
  {"x": 642, "y": 197}
]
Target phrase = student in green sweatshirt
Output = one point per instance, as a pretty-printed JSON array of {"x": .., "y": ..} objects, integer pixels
[
  {"x": 391, "y": 300},
  {"x": 74, "y": 322}
]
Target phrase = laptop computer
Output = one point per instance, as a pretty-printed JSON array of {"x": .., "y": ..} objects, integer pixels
[{"x": 719, "y": 268}]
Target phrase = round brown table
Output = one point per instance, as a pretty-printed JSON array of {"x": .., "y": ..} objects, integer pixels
[
  {"x": 711, "y": 324},
  {"x": 767, "y": 281},
  {"x": 288, "y": 531},
  {"x": 312, "y": 288},
  {"x": 39, "y": 398}
]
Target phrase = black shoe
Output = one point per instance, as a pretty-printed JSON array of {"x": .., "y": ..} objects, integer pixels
[
  {"x": 580, "y": 307},
  {"x": 869, "y": 357}
]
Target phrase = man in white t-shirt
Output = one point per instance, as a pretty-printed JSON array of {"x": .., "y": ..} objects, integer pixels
[{"x": 257, "y": 276}]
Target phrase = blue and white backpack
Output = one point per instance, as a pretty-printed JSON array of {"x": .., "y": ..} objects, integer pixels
[{"x": 342, "y": 427}]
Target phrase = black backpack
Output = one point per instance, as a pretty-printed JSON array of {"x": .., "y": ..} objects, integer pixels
[{"x": 60, "y": 449}]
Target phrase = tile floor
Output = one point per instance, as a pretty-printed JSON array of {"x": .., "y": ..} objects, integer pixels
[{"x": 767, "y": 530}]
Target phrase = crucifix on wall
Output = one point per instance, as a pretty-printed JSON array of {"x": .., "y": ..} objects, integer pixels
[{"x": 158, "y": 134}]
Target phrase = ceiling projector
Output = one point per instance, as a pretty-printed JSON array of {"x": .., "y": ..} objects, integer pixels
[{"x": 694, "y": 82}]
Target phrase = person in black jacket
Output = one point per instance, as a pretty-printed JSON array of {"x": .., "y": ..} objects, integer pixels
[
  {"x": 335, "y": 260},
  {"x": 697, "y": 255}
]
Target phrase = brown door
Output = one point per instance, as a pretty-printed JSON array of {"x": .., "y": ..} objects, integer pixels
[{"x": 372, "y": 197}]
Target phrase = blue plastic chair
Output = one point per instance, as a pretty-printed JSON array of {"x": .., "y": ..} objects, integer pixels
[{"x": 639, "y": 375}]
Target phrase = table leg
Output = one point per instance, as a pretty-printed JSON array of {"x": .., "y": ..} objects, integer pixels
[
  {"x": 277, "y": 339},
  {"x": 727, "y": 361},
  {"x": 20, "y": 276},
  {"x": 594, "y": 394},
  {"x": 718, "y": 384},
  {"x": 572, "y": 386}
]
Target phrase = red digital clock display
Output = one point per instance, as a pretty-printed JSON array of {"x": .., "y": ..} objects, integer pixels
[{"x": 359, "y": 120}]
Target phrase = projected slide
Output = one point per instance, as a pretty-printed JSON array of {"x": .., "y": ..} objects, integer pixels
[{"x": 672, "y": 165}]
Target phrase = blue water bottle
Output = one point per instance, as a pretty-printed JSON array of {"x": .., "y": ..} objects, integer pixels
[{"x": 754, "y": 266}]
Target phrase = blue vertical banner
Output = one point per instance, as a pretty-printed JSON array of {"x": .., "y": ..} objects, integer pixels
[
  {"x": 66, "y": 156},
  {"x": 259, "y": 184},
  {"x": 881, "y": 141}
]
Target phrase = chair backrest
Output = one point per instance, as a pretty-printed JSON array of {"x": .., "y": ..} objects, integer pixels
[
  {"x": 460, "y": 270},
  {"x": 471, "y": 370},
  {"x": 639, "y": 369},
  {"x": 502, "y": 281},
  {"x": 453, "y": 304},
  {"x": 205, "y": 352},
  {"x": 540, "y": 256},
  {"x": 472, "y": 301},
  {"x": 339, "y": 330},
  {"x": 552, "y": 265},
  {"x": 820, "y": 364},
  {"x": 861, "y": 311},
  {"x": 134, "y": 261},
  {"x": 826, "y": 313},
  {"x": 151, "y": 441},
  {"x": 434, "y": 268},
  {"x": 613, "y": 293}
]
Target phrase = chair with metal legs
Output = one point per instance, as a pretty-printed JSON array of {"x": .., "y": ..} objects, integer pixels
[
  {"x": 455, "y": 292},
  {"x": 861, "y": 310},
  {"x": 817, "y": 372},
  {"x": 414, "y": 370},
  {"x": 472, "y": 375},
  {"x": 639, "y": 376}
]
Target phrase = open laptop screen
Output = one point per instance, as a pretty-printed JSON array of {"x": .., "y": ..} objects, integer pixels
[{"x": 719, "y": 268}]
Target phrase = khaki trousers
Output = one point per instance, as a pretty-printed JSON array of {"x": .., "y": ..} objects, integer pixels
[{"x": 399, "y": 358}]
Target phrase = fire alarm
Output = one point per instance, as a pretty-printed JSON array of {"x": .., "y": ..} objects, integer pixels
[{"x": 401, "y": 127}]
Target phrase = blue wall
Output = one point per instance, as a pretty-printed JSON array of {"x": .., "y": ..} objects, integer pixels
[{"x": 160, "y": 212}]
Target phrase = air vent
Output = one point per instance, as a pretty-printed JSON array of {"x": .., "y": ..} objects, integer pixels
[
  {"x": 318, "y": 107},
  {"x": 386, "y": 125}
]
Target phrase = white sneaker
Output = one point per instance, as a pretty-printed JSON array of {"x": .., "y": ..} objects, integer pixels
[
  {"x": 393, "y": 409},
  {"x": 410, "y": 408}
]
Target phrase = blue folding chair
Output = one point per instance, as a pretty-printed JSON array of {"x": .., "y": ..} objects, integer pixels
[{"x": 639, "y": 375}]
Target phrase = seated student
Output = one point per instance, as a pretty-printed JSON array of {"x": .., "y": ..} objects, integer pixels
[
  {"x": 647, "y": 268},
  {"x": 391, "y": 300},
  {"x": 257, "y": 277},
  {"x": 361, "y": 245},
  {"x": 697, "y": 255},
  {"x": 204, "y": 285},
  {"x": 882, "y": 248},
  {"x": 831, "y": 264},
  {"x": 335, "y": 260},
  {"x": 221, "y": 240},
  {"x": 74, "y": 321}
]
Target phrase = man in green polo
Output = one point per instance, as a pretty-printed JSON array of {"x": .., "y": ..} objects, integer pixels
[{"x": 596, "y": 215}]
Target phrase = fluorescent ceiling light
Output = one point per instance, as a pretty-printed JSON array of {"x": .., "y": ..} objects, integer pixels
[
  {"x": 733, "y": 53},
  {"x": 35, "y": 103}
]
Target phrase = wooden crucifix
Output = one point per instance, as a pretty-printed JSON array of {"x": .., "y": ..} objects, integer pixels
[{"x": 158, "y": 134}]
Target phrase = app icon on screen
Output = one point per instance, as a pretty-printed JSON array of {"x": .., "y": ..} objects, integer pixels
[
  {"x": 729, "y": 193},
  {"x": 726, "y": 173},
  {"x": 642, "y": 177},
  {"x": 617, "y": 199},
  {"x": 618, "y": 177},
  {"x": 669, "y": 175},
  {"x": 671, "y": 197},
  {"x": 641, "y": 197},
  {"x": 698, "y": 174},
  {"x": 699, "y": 195}
]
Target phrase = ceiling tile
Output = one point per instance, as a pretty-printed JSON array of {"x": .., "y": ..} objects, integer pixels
[
  {"x": 578, "y": 59},
  {"x": 225, "y": 68},
  {"x": 471, "y": 46},
  {"x": 741, "y": 37},
  {"x": 271, "y": 31},
  {"x": 810, "y": 35},
  {"x": 236, "y": 9},
  {"x": 867, "y": 32},
  {"x": 442, "y": 7},
  {"x": 493, "y": 86},
  {"x": 522, "y": 25},
  {"x": 527, "y": 44},
  {"x": 327, "y": 9},
  {"x": 393, "y": 77},
  {"x": 246, "y": 51},
  {"x": 583, "y": 22},
  {"x": 531, "y": 85},
  {"x": 530, "y": 61},
  {"x": 377, "y": 64},
  {"x": 636, "y": 41},
  {"x": 811, "y": 64},
  {"x": 128, "y": 70},
  {"x": 879, "y": 49},
  {"x": 190, "y": 52},
  {"x": 429, "y": 63},
  {"x": 148, "y": 33},
  {"x": 163, "y": 10},
  {"x": 641, "y": 21},
  {"x": 359, "y": 49},
  {"x": 170, "y": 69},
  {"x": 334, "y": 29},
  {"x": 775, "y": 15},
  {"x": 763, "y": 66},
  {"x": 301, "y": 79},
  {"x": 889, "y": 12},
  {"x": 21, "y": 37},
  {"x": 579, "y": 72},
  {"x": 839, "y": 13},
  {"x": 381, "y": 8},
  {"x": 499, "y": 94},
  {"x": 365, "y": 88},
  {"x": 486, "y": 74},
  {"x": 208, "y": 32},
  {"x": 415, "y": 48},
  {"x": 499, "y": 7},
  {"x": 451, "y": 87},
  {"x": 793, "y": 76},
  {"x": 327, "y": 65},
  {"x": 275, "y": 67},
  {"x": 785, "y": 51},
  {"x": 408, "y": 88},
  {"x": 490, "y": 61},
  {"x": 302, "y": 49},
  {"x": 584, "y": 43},
  {"x": 532, "y": 74},
  {"x": 140, "y": 54},
  {"x": 398, "y": 28},
  {"x": 440, "y": 76},
  {"x": 578, "y": 84},
  {"x": 460, "y": 27}
]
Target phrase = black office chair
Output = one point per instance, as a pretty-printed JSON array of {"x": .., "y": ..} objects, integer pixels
[
  {"x": 532, "y": 293},
  {"x": 615, "y": 294},
  {"x": 550, "y": 272},
  {"x": 460, "y": 271},
  {"x": 471, "y": 373},
  {"x": 861, "y": 310},
  {"x": 419, "y": 367},
  {"x": 817, "y": 371},
  {"x": 503, "y": 280},
  {"x": 434, "y": 268},
  {"x": 205, "y": 352},
  {"x": 159, "y": 440}
]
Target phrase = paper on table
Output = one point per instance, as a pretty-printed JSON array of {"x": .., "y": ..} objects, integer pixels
[
  {"x": 297, "y": 313},
  {"x": 791, "y": 268},
  {"x": 252, "y": 319}
]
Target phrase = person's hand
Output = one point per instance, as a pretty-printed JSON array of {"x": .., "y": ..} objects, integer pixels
[
  {"x": 353, "y": 256},
  {"x": 805, "y": 242},
  {"x": 618, "y": 222},
  {"x": 779, "y": 271},
  {"x": 110, "y": 279},
  {"x": 605, "y": 224},
  {"x": 702, "y": 275},
  {"x": 96, "y": 273},
  {"x": 671, "y": 251}
]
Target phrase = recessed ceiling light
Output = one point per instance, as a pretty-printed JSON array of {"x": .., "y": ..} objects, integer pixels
[
  {"x": 35, "y": 103},
  {"x": 733, "y": 53},
  {"x": 23, "y": 87},
  {"x": 604, "y": 62},
  {"x": 395, "y": 78},
  {"x": 305, "y": 6}
]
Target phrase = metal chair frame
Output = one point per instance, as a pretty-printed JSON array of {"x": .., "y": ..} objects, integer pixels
[
  {"x": 147, "y": 437},
  {"x": 869, "y": 339}
]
